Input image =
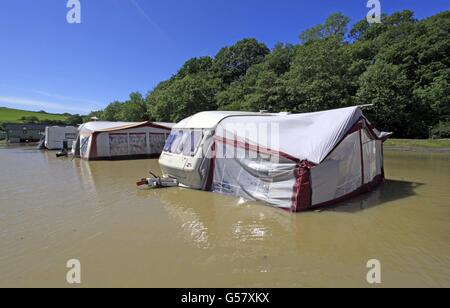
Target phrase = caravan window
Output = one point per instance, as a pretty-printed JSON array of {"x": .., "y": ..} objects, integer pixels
[{"x": 184, "y": 142}]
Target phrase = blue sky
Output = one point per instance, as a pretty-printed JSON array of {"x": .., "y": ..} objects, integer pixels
[{"x": 123, "y": 46}]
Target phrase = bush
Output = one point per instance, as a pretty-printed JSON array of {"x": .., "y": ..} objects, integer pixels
[
  {"x": 441, "y": 131},
  {"x": 30, "y": 119}
]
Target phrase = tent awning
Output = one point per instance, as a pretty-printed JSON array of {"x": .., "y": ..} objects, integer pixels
[{"x": 311, "y": 136}]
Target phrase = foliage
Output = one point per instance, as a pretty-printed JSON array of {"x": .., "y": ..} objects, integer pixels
[
  {"x": 195, "y": 66},
  {"x": 387, "y": 88},
  {"x": 132, "y": 110},
  {"x": 29, "y": 119},
  {"x": 74, "y": 119},
  {"x": 175, "y": 100},
  {"x": 401, "y": 66},
  {"x": 135, "y": 109},
  {"x": 319, "y": 77},
  {"x": 441, "y": 131},
  {"x": 231, "y": 63},
  {"x": 335, "y": 25}
]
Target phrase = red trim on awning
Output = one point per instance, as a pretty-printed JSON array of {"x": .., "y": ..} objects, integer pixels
[
  {"x": 302, "y": 198},
  {"x": 257, "y": 149},
  {"x": 127, "y": 127},
  {"x": 362, "y": 156}
]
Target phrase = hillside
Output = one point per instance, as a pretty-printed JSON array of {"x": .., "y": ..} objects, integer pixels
[{"x": 8, "y": 115}]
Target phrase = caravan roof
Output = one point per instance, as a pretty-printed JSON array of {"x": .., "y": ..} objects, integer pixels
[
  {"x": 210, "y": 119},
  {"x": 100, "y": 126}
]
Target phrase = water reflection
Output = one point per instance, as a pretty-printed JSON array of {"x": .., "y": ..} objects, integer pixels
[
  {"x": 389, "y": 191},
  {"x": 208, "y": 220},
  {"x": 230, "y": 231},
  {"x": 85, "y": 175}
]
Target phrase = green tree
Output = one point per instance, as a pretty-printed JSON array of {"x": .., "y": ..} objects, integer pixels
[
  {"x": 182, "y": 97},
  {"x": 231, "y": 63},
  {"x": 74, "y": 119},
  {"x": 387, "y": 87},
  {"x": 262, "y": 88},
  {"x": 437, "y": 95},
  {"x": 30, "y": 119},
  {"x": 233, "y": 98},
  {"x": 319, "y": 77},
  {"x": 135, "y": 109},
  {"x": 196, "y": 66},
  {"x": 335, "y": 25},
  {"x": 113, "y": 112},
  {"x": 94, "y": 114},
  {"x": 159, "y": 102},
  {"x": 401, "y": 66}
]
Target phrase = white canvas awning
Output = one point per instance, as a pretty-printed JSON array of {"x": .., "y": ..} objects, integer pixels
[{"x": 311, "y": 136}]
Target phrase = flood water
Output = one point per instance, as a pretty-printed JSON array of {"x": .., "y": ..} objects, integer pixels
[{"x": 53, "y": 210}]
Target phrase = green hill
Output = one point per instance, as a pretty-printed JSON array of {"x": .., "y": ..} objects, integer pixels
[{"x": 8, "y": 115}]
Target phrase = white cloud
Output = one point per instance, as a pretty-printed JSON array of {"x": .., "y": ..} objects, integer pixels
[
  {"x": 44, "y": 105},
  {"x": 67, "y": 98}
]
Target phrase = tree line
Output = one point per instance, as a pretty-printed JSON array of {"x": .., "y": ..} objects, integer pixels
[
  {"x": 71, "y": 119},
  {"x": 400, "y": 66}
]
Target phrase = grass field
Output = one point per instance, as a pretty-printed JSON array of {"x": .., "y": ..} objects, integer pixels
[
  {"x": 423, "y": 144},
  {"x": 8, "y": 115}
]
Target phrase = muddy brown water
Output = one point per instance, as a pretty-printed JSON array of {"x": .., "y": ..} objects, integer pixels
[{"x": 53, "y": 210}]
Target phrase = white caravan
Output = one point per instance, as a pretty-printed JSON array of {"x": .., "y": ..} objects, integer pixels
[
  {"x": 187, "y": 154},
  {"x": 56, "y": 135}
]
